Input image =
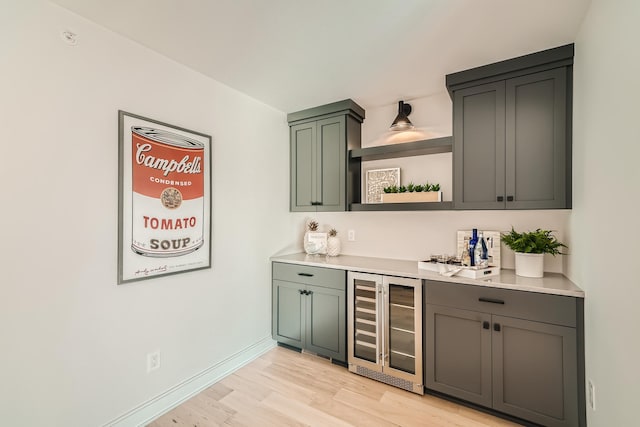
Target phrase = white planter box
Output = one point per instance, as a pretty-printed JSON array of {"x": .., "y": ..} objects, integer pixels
[{"x": 414, "y": 197}]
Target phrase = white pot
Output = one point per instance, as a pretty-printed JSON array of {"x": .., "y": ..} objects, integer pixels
[
  {"x": 529, "y": 265},
  {"x": 333, "y": 246}
]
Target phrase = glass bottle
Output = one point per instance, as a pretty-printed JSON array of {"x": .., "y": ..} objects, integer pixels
[
  {"x": 472, "y": 246},
  {"x": 466, "y": 259},
  {"x": 482, "y": 253}
]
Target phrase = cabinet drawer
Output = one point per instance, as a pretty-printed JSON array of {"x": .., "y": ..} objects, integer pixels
[
  {"x": 555, "y": 309},
  {"x": 318, "y": 276}
]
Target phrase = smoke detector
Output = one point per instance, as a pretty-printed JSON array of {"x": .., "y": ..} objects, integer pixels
[{"x": 69, "y": 37}]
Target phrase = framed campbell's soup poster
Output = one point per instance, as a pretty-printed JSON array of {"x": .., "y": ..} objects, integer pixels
[{"x": 164, "y": 224}]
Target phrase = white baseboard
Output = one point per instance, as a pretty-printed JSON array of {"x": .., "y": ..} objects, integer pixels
[{"x": 153, "y": 408}]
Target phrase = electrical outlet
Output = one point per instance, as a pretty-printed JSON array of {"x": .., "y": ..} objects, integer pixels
[
  {"x": 351, "y": 235},
  {"x": 592, "y": 395},
  {"x": 153, "y": 361}
]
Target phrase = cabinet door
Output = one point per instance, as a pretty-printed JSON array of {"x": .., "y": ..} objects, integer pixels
[
  {"x": 458, "y": 353},
  {"x": 326, "y": 322},
  {"x": 536, "y": 141},
  {"x": 331, "y": 153},
  {"x": 534, "y": 371},
  {"x": 288, "y": 313},
  {"x": 479, "y": 147},
  {"x": 303, "y": 167}
]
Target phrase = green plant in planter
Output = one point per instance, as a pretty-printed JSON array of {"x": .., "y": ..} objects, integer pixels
[
  {"x": 418, "y": 188},
  {"x": 390, "y": 189},
  {"x": 402, "y": 189},
  {"x": 411, "y": 187},
  {"x": 533, "y": 242},
  {"x": 435, "y": 187}
]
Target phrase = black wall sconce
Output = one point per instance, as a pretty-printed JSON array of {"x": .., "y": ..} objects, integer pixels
[{"x": 402, "y": 121}]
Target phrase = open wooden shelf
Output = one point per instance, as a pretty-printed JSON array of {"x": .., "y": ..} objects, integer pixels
[
  {"x": 406, "y": 149},
  {"x": 424, "y": 206}
]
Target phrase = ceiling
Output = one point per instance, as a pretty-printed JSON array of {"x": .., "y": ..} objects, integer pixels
[{"x": 295, "y": 54}]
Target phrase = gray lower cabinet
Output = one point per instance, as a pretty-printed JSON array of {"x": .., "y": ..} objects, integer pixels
[
  {"x": 534, "y": 371},
  {"x": 515, "y": 352},
  {"x": 321, "y": 179},
  {"x": 458, "y": 353},
  {"x": 309, "y": 309}
]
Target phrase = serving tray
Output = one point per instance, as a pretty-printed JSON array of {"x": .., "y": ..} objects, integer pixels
[{"x": 457, "y": 270}]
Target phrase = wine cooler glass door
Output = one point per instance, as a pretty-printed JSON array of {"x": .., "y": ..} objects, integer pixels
[
  {"x": 403, "y": 311},
  {"x": 364, "y": 327},
  {"x": 366, "y": 336}
]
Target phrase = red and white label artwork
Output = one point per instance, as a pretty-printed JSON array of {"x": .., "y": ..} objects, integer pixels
[{"x": 168, "y": 193}]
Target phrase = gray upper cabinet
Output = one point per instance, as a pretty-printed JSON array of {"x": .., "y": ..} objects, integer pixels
[
  {"x": 536, "y": 140},
  {"x": 321, "y": 179},
  {"x": 479, "y": 147},
  {"x": 512, "y": 133}
]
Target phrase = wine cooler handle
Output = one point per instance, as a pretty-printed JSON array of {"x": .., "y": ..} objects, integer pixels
[{"x": 381, "y": 324}]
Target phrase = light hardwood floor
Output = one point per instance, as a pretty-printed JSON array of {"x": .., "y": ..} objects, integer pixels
[{"x": 286, "y": 388}]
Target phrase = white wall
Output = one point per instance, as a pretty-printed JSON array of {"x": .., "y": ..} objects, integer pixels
[
  {"x": 73, "y": 343},
  {"x": 416, "y": 235},
  {"x": 603, "y": 225}
]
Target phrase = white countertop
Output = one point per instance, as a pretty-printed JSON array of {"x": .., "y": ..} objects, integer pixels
[{"x": 551, "y": 283}]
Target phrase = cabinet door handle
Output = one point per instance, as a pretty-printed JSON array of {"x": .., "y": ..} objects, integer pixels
[
  {"x": 316, "y": 203},
  {"x": 301, "y": 292},
  {"x": 500, "y": 198},
  {"x": 491, "y": 300},
  {"x": 496, "y": 327},
  {"x": 305, "y": 274},
  {"x": 509, "y": 198},
  {"x": 309, "y": 292},
  {"x": 485, "y": 325}
]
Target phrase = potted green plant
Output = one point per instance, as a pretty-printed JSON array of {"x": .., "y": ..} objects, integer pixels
[
  {"x": 412, "y": 193},
  {"x": 530, "y": 248}
]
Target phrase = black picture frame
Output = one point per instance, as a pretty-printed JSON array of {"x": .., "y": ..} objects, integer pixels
[{"x": 164, "y": 199}]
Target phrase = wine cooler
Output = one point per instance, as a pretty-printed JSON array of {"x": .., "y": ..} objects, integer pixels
[{"x": 384, "y": 324}]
